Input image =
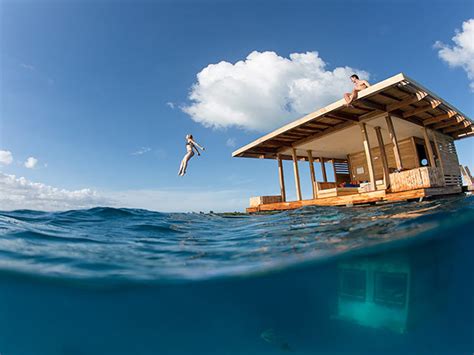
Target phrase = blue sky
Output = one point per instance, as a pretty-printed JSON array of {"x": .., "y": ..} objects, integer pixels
[{"x": 88, "y": 85}]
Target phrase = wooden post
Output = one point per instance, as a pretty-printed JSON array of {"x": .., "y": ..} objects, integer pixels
[
  {"x": 440, "y": 158},
  {"x": 368, "y": 155},
  {"x": 314, "y": 183},
  {"x": 383, "y": 156},
  {"x": 282, "y": 179},
  {"x": 297, "y": 174},
  {"x": 393, "y": 139},
  {"x": 323, "y": 169},
  {"x": 429, "y": 149}
]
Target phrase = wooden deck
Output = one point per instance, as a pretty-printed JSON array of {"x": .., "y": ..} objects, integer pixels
[{"x": 357, "y": 199}]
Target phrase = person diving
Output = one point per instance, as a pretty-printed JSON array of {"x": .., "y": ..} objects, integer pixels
[{"x": 191, "y": 145}]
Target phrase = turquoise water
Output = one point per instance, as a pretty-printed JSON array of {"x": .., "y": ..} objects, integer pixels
[{"x": 390, "y": 279}]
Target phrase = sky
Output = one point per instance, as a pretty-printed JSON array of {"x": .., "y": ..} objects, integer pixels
[{"x": 97, "y": 96}]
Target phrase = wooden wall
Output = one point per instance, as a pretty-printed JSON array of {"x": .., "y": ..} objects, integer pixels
[
  {"x": 408, "y": 155},
  {"x": 448, "y": 159}
]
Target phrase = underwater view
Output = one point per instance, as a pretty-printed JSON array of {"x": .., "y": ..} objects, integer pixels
[{"x": 387, "y": 279}]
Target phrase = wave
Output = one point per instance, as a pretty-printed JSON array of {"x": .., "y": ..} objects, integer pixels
[{"x": 110, "y": 244}]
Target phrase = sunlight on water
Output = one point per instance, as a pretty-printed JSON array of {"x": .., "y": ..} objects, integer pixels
[{"x": 391, "y": 279}]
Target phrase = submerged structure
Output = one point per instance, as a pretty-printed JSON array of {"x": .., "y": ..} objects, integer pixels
[{"x": 395, "y": 143}]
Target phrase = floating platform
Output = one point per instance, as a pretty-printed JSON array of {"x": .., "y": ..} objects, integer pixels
[{"x": 359, "y": 199}]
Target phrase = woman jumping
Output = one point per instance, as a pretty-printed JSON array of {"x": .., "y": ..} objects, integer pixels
[{"x": 191, "y": 145}]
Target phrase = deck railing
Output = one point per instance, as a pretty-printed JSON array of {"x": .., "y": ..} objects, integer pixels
[{"x": 417, "y": 178}]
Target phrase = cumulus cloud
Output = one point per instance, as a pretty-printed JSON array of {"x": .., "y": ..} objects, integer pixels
[
  {"x": 461, "y": 53},
  {"x": 20, "y": 193},
  {"x": 141, "y": 151},
  {"x": 6, "y": 157},
  {"x": 265, "y": 90},
  {"x": 31, "y": 162}
]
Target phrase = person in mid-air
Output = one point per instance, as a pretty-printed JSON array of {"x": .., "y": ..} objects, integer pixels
[
  {"x": 191, "y": 145},
  {"x": 359, "y": 85}
]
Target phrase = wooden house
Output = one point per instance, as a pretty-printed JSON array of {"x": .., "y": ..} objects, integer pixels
[{"x": 396, "y": 142}]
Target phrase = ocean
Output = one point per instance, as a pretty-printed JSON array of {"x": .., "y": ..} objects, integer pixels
[{"x": 386, "y": 279}]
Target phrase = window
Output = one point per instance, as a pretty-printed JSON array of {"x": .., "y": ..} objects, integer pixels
[
  {"x": 353, "y": 283},
  {"x": 390, "y": 288}
]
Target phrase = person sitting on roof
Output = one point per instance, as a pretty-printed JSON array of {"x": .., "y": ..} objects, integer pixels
[{"x": 358, "y": 86}]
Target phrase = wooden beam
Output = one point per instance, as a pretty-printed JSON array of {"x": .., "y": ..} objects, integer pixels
[
  {"x": 282, "y": 178},
  {"x": 393, "y": 139},
  {"x": 452, "y": 121},
  {"x": 429, "y": 149},
  {"x": 383, "y": 156},
  {"x": 323, "y": 169},
  {"x": 370, "y": 104},
  {"x": 459, "y": 126},
  {"x": 343, "y": 116},
  {"x": 439, "y": 118},
  {"x": 314, "y": 183},
  {"x": 433, "y": 104},
  {"x": 297, "y": 174},
  {"x": 419, "y": 95},
  {"x": 368, "y": 155}
]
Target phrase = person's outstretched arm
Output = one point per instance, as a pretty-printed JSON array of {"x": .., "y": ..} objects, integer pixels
[
  {"x": 197, "y": 145},
  {"x": 366, "y": 83}
]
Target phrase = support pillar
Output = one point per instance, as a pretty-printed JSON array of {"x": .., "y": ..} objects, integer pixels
[
  {"x": 393, "y": 139},
  {"x": 323, "y": 169},
  {"x": 314, "y": 183},
  {"x": 383, "y": 156},
  {"x": 282, "y": 179},
  {"x": 368, "y": 155},
  {"x": 429, "y": 148},
  {"x": 297, "y": 174}
]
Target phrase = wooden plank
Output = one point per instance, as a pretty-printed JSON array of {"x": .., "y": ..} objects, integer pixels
[
  {"x": 368, "y": 155},
  {"x": 297, "y": 174},
  {"x": 433, "y": 104},
  {"x": 314, "y": 183},
  {"x": 439, "y": 118},
  {"x": 393, "y": 139},
  {"x": 282, "y": 178},
  {"x": 429, "y": 148},
  {"x": 383, "y": 156}
]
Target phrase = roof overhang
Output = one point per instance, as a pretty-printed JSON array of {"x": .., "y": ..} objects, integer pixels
[{"x": 398, "y": 96}]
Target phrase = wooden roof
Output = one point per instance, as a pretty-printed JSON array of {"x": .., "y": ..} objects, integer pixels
[{"x": 399, "y": 95}]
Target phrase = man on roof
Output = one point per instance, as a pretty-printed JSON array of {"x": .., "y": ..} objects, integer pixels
[{"x": 359, "y": 85}]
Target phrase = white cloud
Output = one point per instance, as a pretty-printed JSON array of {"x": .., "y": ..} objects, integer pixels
[
  {"x": 31, "y": 162},
  {"x": 141, "y": 151},
  {"x": 6, "y": 157},
  {"x": 19, "y": 193},
  {"x": 265, "y": 90},
  {"x": 461, "y": 54},
  {"x": 231, "y": 142},
  {"x": 171, "y": 105}
]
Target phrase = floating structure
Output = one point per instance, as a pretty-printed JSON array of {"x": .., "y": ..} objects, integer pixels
[{"x": 395, "y": 143}]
